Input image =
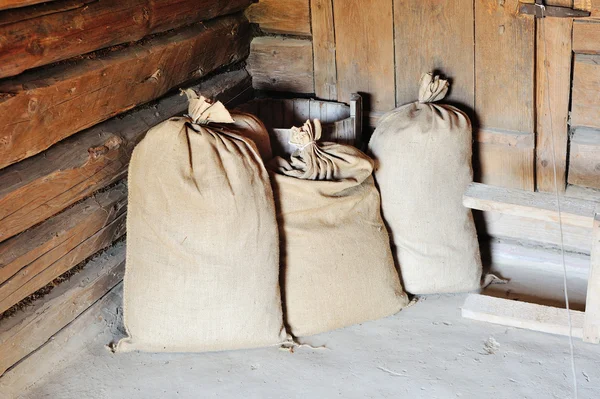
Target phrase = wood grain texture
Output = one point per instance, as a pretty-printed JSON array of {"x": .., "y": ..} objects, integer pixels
[
  {"x": 45, "y": 184},
  {"x": 6, "y": 4},
  {"x": 36, "y": 257},
  {"x": 553, "y": 86},
  {"x": 435, "y": 36},
  {"x": 324, "y": 49},
  {"x": 504, "y": 59},
  {"x": 540, "y": 206},
  {"x": 365, "y": 52},
  {"x": 589, "y": 5},
  {"x": 281, "y": 64},
  {"x": 591, "y": 325},
  {"x": 585, "y": 107},
  {"x": 45, "y": 106},
  {"x": 506, "y": 159},
  {"x": 29, "y": 329},
  {"x": 584, "y": 163},
  {"x": 586, "y": 37},
  {"x": 67, "y": 28},
  {"x": 291, "y": 17}
]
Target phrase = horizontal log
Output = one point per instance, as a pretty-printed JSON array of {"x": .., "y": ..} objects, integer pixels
[
  {"x": 6, "y": 4},
  {"x": 31, "y": 260},
  {"x": 586, "y": 37},
  {"x": 33, "y": 190},
  {"x": 291, "y": 17},
  {"x": 32, "y": 327},
  {"x": 67, "y": 28},
  {"x": 584, "y": 166},
  {"x": 281, "y": 64},
  {"x": 585, "y": 108},
  {"x": 42, "y": 107}
]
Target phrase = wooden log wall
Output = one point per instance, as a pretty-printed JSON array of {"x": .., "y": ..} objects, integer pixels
[
  {"x": 81, "y": 82},
  {"x": 495, "y": 57}
]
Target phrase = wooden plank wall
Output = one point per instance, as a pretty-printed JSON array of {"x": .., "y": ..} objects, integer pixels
[
  {"x": 76, "y": 77},
  {"x": 484, "y": 47}
]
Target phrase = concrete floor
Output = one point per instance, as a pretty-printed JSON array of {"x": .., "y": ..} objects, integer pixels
[{"x": 425, "y": 351}]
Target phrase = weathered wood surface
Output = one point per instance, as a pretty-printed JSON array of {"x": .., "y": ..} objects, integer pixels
[
  {"x": 585, "y": 107},
  {"x": 35, "y": 189},
  {"x": 6, "y": 4},
  {"x": 434, "y": 36},
  {"x": 504, "y": 158},
  {"x": 540, "y": 206},
  {"x": 553, "y": 85},
  {"x": 590, "y": 5},
  {"x": 508, "y": 312},
  {"x": 364, "y": 35},
  {"x": 36, "y": 257},
  {"x": 586, "y": 37},
  {"x": 291, "y": 17},
  {"x": 281, "y": 64},
  {"x": 324, "y": 49},
  {"x": 504, "y": 59},
  {"x": 42, "y": 107},
  {"x": 33, "y": 326},
  {"x": 67, "y": 28},
  {"x": 591, "y": 325},
  {"x": 584, "y": 165}
]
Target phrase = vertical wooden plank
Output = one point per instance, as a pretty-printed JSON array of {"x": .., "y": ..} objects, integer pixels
[
  {"x": 324, "y": 49},
  {"x": 504, "y": 59},
  {"x": 591, "y": 325},
  {"x": 553, "y": 88},
  {"x": 365, "y": 51},
  {"x": 435, "y": 36},
  {"x": 504, "y": 92},
  {"x": 585, "y": 103}
]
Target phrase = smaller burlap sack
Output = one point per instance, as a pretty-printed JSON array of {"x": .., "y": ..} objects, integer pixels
[
  {"x": 202, "y": 270},
  {"x": 337, "y": 265},
  {"x": 423, "y": 166}
]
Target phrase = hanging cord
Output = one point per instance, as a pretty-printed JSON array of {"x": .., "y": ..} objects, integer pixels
[{"x": 558, "y": 206}]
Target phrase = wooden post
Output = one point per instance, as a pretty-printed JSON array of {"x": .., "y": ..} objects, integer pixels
[{"x": 591, "y": 326}]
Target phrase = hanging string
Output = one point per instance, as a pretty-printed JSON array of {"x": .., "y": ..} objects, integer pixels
[{"x": 558, "y": 206}]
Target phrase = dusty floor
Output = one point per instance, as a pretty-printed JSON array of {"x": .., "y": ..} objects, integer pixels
[{"x": 426, "y": 351}]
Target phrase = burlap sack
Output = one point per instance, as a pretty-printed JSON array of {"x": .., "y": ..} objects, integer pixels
[
  {"x": 202, "y": 243},
  {"x": 337, "y": 266},
  {"x": 423, "y": 166}
]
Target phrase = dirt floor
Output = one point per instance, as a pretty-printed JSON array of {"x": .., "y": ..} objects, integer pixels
[{"x": 425, "y": 351}]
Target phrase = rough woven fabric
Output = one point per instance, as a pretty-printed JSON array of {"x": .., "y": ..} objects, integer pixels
[
  {"x": 423, "y": 166},
  {"x": 202, "y": 271},
  {"x": 337, "y": 266}
]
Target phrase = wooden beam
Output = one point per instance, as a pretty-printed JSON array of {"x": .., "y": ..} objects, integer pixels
[
  {"x": 42, "y": 107},
  {"x": 281, "y": 64},
  {"x": 33, "y": 259},
  {"x": 63, "y": 29},
  {"x": 365, "y": 52},
  {"x": 540, "y": 206},
  {"x": 435, "y": 36},
  {"x": 290, "y": 17},
  {"x": 30, "y": 328},
  {"x": 553, "y": 85},
  {"x": 584, "y": 161},
  {"x": 6, "y": 4},
  {"x": 324, "y": 49},
  {"x": 586, "y": 37},
  {"x": 33, "y": 190},
  {"x": 585, "y": 108},
  {"x": 589, "y": 5},
  {"x": 525, "y": 315},
  {"x": 591, "y": 326}
]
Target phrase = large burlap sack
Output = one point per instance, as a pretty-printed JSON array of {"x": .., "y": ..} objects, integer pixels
[
  {"x": 337, "y": 265},
  {"x": 423, "y": 166},
  {"x": 202, "y": 270}
]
